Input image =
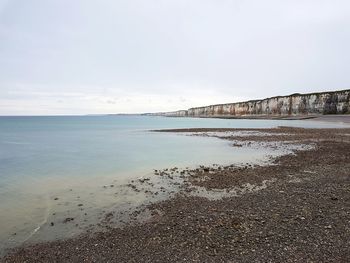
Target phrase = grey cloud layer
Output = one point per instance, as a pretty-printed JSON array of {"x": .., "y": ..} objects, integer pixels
[{"x": 204, "y": 51}]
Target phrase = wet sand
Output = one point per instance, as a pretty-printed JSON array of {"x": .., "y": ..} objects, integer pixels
[
  {"x": 334, "y": 118},
  {"x": 296, "y": 208}
]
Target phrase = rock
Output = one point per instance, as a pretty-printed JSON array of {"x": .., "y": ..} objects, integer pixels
[
  {"x": 68, "y": 219},
  {"x": 142, "y": 180}
]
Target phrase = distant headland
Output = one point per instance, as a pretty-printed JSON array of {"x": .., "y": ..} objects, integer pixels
[{"x": 294, "y": 105}]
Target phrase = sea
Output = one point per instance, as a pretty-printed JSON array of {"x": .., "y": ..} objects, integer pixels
[{"x": 53, "y": 167}]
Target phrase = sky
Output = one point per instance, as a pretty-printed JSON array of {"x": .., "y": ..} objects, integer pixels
[{"x": 60, "y": 57}]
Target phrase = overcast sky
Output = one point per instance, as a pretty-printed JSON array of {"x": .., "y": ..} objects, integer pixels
[{"x": 110, "y": 56}]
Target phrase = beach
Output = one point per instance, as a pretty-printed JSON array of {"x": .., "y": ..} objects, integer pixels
[
  {"x": 174, "y": 131},
  {"x": 294, "y": 208}
]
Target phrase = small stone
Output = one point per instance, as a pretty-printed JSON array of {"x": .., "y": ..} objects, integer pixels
[{"x": 68, "y": 219}]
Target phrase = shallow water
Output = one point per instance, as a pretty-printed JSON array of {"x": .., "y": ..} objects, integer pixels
[{"x": 74, "y": 157}]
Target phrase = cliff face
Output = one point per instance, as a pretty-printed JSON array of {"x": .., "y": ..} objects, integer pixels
[
  {"x": 179, "y": 113},
  {"x": 337, "y": 102}
]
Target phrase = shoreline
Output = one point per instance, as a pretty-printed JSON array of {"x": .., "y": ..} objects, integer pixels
[
  {"x": 335, "y": 118},
  {"x": 296, "y": 208}
]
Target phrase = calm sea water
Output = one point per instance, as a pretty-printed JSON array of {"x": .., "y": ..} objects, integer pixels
[{"x": 43, "y": 156}]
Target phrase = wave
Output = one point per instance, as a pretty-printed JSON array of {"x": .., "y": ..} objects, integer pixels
[
  {"x": 17, "y": 143},
  {"x": 44, "y": 221}
]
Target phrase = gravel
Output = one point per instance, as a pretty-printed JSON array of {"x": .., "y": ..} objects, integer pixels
[{"x": 303, "y": 216}]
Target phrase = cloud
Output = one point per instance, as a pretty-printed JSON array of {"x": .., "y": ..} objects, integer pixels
[{"x": 115, "y": 56}]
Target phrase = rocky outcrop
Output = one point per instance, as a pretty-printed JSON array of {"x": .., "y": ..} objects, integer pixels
[{"x": 337, "y": 102}]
